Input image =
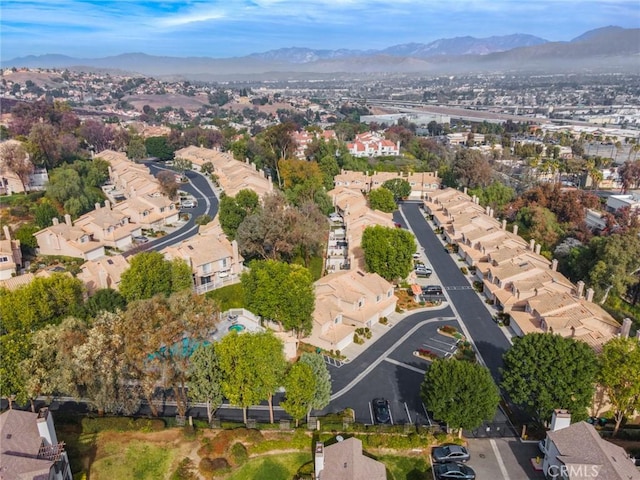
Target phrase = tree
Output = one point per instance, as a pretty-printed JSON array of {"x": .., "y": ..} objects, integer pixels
[
  {"x": 252, "y": 365},
  {"x": 620, "y": 376},
  {"x": 44, "y": 145},
  {"x": 399, "y": 187},
  {"x": 44, "y": 213},
  {"x": 205, "y": 378},
  {"x": 541, "y": 223},
  {"x": 168, "y": 184},
  {"x": 105, "y": 300},
  {"x": 471, "y": 169},
  {"x": 158, "y": 147},
  {"x": 300, "y": 386},
  {"x": 233, "y": 210},
  {"x": 280, "y": 292},
  {"x": 161, "y": 335},
  {"x": 100, "y": 369},
  {"x": 136, "y": 149},
  {"x": 15, "y": 159},
  {"x": 388, "y": 251},
  {"x": 150, "y": 274},
  {"x": 461, "y": 393},
  {"x": 182, "y": 165},
  {"x": 496, "y": 195},
  {"x": 382, "y": 199},
  {"x": 322, "y": 391},
  {"x": 543, "y": 372}
]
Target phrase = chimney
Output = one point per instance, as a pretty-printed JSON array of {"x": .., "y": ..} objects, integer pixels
[
  {"x": 532, "y": 244},
  {"x": 45, "y": 427},
  {"x": 236, "y": 257},
  {"x": 465, "y": 190},
  {"x": 96, "y": 205},
  {"x": 560, "y": 419},
  {"x": 580, "y": 289},
  {"x": 103, "y": 278},
  {"x": 319, "y": 460},
  {"x": 107, "y": 204},
  {"x": 7, "y": 232},
  {"x": 515, "y": 229},
  {"x": 589, "y": 294},
  {"x": 554, "y": 265},
  {"x": 626, "y": 328},
  {"x": 491, "y": 212},
  {"x": 67, "y": 219},
  {"x": 504, "y": 224},
  {"x": 538, "y": 247},
  {"x": 55, "y": 221},
  {"x": 487, "y": 210}
]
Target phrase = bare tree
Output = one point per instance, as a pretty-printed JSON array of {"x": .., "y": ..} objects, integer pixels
[{"x": 16, "y": 160}]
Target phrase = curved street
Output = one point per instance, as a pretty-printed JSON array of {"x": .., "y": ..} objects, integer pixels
[{"x": 206, "y": 203}]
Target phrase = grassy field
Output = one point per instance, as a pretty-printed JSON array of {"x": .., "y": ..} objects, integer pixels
[
  {"x": 406, "y": 468},
  {"x": 138, "y": 460},
  {"x": 271, "y": 467}
]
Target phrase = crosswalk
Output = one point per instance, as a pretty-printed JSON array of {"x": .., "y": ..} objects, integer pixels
[
  {"x": 333, "y": 362},
  {"x": 459, "y": 287}
]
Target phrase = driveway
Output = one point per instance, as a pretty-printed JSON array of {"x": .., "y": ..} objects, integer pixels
[{"x": 206, "y": 203}]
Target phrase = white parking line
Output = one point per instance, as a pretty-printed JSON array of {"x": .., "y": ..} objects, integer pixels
[
  {"x": 408, "y": 367},
  {"x": 431, "y": 347},
  {"x": 426, "y": 414},
  {"x": 443, "y": 342},
  {"x": 371, "y": 413},
  {"x": 390, "y": 416},
  {"x": 501, "y": 465},
  {"x": 408, "y": 414}
]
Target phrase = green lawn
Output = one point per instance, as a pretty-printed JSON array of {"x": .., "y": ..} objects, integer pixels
[
  {"x": 271, "y": 467},
  {"x": 139, "y": 460},
  {"x": 406, "y": 468}
]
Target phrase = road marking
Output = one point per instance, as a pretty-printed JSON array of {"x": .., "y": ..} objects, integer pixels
[
  {"x": 496, "y": 452},
  {"x": 459, "y": 287},
  {"x": 409, "y": 367},
  {"x": 382, "y": 357},
  {"x": 431, "y": 347},
  {"x": 448, "y": 344},
  {"x": 427, "y": 414},
  {"x": 371, "y": 413},
  {"x": 408, "y": 414},
  {"x": 390, "y": 416}
]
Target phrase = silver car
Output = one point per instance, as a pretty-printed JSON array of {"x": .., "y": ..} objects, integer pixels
[{"x": 450, "y": 453}]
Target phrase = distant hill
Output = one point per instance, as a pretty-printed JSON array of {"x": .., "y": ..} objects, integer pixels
[{"x": 601, "y": 50}]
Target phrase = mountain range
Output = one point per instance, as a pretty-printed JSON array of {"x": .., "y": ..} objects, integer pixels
[{"x": 602, "y": 50}]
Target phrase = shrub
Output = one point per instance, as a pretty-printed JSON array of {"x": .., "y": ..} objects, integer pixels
[
  {"x": 219, "y": 466},
  {"x": 239, "y": 453},
  {"x": 464, "y": 270},
  {"x": 357, "y": 340},
  {"x": 203, "y": 219},
  {"x": 121, "y": 424},
  {"x": 184, "y": 471},
  {"x": 478, "y": 286},
  {"x": 305, "y": 472},
  {"x": 383, "y": 320},
  {"x": 450, "y": 329}
]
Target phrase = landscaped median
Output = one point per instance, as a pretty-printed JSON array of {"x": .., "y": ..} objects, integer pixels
[{"x": 120, "y": 447}]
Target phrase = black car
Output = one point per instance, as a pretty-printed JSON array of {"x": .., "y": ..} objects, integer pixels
[
  {"x": 453, "y": 470},
  {"x": 432, "y": 290},
  {"x": 450, "y": 453},
  {"x": 381, "y": 410}
]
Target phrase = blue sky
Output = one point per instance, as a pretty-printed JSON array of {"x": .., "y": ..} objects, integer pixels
[{"x": 227, "y": 28}]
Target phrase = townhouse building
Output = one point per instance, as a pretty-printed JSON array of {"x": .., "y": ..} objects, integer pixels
[
  {"x": 345, "y": 301},
  {"x": 214, "y": 260},
  {"x": 231, "y": 175},
  {"x": 372, "y": 144},
  {"x": 104, "y": 272},
  {"x": 68, "y": 240},
  {"x": 304, "y": 138},
  {"x": 10, "y": 255},
  {"x": 518, "y": 280},
  {"x": 421, "y": 182}
]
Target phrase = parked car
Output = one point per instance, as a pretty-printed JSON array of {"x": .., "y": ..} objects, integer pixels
[
  {"x": 381, "y": 410},
  {"x": 453, "y": 470},
  {"x": 422, "y": 270},
  {"x": 416, "y": 255},
  {"x": 432, "y": 290},
  {"x": 188, "y": 204},
  {"x": 450, "y": 453},
  {"x": 140, "y": 239}
]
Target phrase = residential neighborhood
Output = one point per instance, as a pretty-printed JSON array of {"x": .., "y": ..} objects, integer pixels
[{"x": 308, "y": 282}]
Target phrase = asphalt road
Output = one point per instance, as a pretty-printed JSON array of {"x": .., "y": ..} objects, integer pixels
[
  {"x": 206, "y": 203},
  {"x": 489, "y": 339}
]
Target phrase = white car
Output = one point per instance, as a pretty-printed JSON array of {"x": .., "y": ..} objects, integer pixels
[{"x": 188, "y": 204}]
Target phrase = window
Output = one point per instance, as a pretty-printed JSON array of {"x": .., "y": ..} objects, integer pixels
[
  {"x": 4, "y": 259},
  {"x": 378, "y": 298},
  {"x": 206, "y": 268}
]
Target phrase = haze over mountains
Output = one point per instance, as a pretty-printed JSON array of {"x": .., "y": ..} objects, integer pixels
[{"x": 608, "y": 49}]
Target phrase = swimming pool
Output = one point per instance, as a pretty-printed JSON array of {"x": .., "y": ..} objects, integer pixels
[{"x": 237, "y": 328}]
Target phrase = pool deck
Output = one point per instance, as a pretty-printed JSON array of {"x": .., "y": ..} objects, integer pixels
[{"x": 222, "y": 328}]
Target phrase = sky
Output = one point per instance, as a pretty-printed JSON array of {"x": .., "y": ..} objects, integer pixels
[{"x": 231, "y": 28}]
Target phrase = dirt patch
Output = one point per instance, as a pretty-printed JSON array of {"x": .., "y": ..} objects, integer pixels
[{"x": 176, "y": 101}]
